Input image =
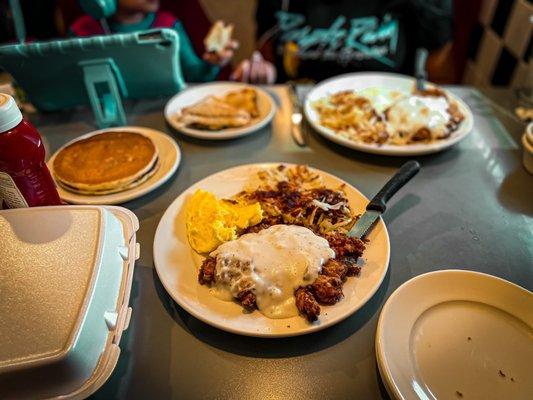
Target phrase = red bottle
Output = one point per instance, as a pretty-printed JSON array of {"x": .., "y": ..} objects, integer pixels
[{"x": 25, "y": 180}]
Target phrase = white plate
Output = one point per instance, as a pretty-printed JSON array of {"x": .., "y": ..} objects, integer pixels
[
  {"x": 177, "y": 266},
  {"x": 449, "y": 333},
  {"x": 169, "y": 160},
  {"x": 196, "y": 93},
  {"x": 362, "y": 80}
]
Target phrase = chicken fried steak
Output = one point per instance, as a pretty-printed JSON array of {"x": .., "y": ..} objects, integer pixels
[
  {"x": 297, "y": 196},
  {"x": 326, "y": 289}
]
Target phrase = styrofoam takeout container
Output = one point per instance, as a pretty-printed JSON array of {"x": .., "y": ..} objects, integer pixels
[{"x": 65, "y": 282}]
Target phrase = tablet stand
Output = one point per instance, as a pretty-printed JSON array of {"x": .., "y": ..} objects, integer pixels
[
  {"x": 98, "y": 71},
  {"x": 104, "y": 85}
]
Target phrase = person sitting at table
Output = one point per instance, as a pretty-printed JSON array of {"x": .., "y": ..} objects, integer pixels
[
  {"x": 137, "y": 15},
  {"x": 317, "y": 39}
]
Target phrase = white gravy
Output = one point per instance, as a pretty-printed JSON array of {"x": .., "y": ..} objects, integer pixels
[
  {"x": 415, "y": 112},
  {"x": 272, "y": 263}
]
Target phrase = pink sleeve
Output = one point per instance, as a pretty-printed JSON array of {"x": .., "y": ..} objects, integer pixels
[
  {"x": 164, "y": 19},
  {"x": 86, "y": 26}
]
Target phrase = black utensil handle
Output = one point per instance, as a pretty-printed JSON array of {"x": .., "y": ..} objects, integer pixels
[{"x": 400, "y": 178}]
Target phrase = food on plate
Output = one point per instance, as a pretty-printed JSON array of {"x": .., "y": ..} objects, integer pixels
[
  {"x": 244, "y": 99},
  {"x": 106, "y": 163},
  {"x": 218, "y": 37},
  {"x": 423, "y": 117},
  {"x": 283, "y": 270},
  {"x": 211, "y": 222},
  {"x": 235, "y": 109},
  {"x": 524, "y": 113},
  {"x": 381, "y": 97},
  {"x": 213, "y": 113},
  {"x": 385, "y": 116},
  {"x": 353, "y": 117},
  {"x": 271, "y": 264},
  {"x": 294, "y": 258},
  {"x": 298, "y": 196}
]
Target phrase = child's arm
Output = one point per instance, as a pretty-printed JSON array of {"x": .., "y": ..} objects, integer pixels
[{"x": 194, "y": 69}]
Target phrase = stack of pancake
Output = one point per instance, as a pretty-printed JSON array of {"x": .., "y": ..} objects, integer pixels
[{"x": 106, "y": 163}]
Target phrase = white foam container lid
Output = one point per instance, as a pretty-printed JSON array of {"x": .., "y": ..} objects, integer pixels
[{"x": 65, "y": 283}]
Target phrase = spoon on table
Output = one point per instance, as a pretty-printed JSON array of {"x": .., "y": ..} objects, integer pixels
[{"x": 377, "y": 205}]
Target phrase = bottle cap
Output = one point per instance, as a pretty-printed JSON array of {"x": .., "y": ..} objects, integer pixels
[{"x": 10, "y": 115}]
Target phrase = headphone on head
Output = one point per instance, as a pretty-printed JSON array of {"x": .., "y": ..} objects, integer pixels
[{"x": 99, "y": 9}]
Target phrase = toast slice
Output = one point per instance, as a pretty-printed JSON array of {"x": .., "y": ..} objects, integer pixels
[
  {"x": 245, "y": 99},
  {"x": 212, "y": 113},
  {"x": 218, "y": 37},
  {"x": 214, "y": 123}
]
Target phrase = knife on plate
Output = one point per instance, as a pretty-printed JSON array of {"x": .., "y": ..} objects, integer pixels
[
  {"x": 378, "y": 204},
  {"x": 296, "y": 117}
]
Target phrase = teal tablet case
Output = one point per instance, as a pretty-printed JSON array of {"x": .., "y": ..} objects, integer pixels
[{"x": 98, "y": 70}]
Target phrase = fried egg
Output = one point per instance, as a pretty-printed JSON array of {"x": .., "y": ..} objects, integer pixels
[
  {"x": 381, "y": 97},
  {"x": 415, "y": 112}
]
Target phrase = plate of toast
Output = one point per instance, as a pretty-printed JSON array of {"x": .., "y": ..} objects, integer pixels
[{"x": 220, "y": 110}]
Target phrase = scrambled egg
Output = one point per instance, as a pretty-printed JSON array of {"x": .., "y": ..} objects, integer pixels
[{"x": 211, "y": 222}]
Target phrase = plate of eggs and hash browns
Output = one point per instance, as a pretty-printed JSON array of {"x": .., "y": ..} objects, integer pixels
[
  {"x": 383, "y": 113},
  {"x": 262, "y": 250}
]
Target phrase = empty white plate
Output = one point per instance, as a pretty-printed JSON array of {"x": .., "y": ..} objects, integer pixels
[
  {"x": 456, "y": 334},
  {"x": 196, "y": 93}
]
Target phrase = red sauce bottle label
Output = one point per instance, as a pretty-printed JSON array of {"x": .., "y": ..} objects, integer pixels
[
  {"x": 10, "y": 193},
  {"x": 25, "y": 180}
]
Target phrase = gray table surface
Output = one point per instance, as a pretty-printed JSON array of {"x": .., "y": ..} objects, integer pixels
[{"x": 471, "y": 207}]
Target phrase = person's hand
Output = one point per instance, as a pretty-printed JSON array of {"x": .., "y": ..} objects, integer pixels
[
  {"x": 222, "y": 57},
  {"x": 255, "y": 70}
]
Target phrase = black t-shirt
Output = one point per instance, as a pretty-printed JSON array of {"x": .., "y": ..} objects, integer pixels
[{"x": 339, "y": 36}]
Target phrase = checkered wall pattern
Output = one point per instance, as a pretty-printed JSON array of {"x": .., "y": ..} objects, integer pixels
[{"x": 500, "y": 46}]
